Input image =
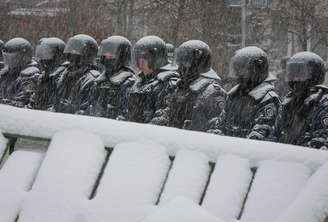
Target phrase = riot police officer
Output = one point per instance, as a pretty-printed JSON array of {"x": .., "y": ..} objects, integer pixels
[
  {"x": 304, "y": 116},
  {"x": 110, "y": 89},
  {"x": 18, "y": 78},
  {"x": 76, "y": 75},
  {"x": 156, "y": 82},
  {"x": 199, "y": 96},
  {"x": 252, "y": 105},
  {"x": 50, "y": 55}
]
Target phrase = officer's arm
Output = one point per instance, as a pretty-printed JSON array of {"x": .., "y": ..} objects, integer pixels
[
  {"x": 318, "y": 138},
  {"x": 264, "y": 123},
  {"x": 26, "y": 90}
]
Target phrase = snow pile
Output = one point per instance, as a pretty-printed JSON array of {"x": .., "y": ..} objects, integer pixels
[
  {"x": 188, "y": 176},
  {"x": 228, "y": 187},
  {"x": 132, "y": 181},
  {"x": 16, "y": 178},
  {"x": 46, "y": 124},
  {"x": 311, "y": 205},
  {"x": 180, "y": 210},
  {"x": 276, "y": 185},
  {"x": 66, "y": 178}
]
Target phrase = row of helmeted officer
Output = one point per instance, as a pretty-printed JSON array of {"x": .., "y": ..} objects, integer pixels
[{"x": 186, "y": 93}]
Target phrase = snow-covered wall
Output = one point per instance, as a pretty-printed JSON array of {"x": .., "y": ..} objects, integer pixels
[
  {"x": 3, "y": 144},
  {"x": 46, "y": 124}
]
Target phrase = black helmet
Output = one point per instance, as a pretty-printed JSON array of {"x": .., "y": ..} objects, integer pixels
[
  {"x": 82, "y": 47},
  {"x": 50, "y": 51},
  {"x": 249, "y": 66},
  {"x": 17, "y": 52},
  {"x": 306, "y": 66},
  {"x": 153, "y": 50},
  {"x": 115, "y": 53},
  {"x": 194, "y": 54}
]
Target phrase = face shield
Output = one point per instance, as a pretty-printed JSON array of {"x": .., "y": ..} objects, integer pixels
[
  {"x": 183, "y": 58},
  {"x": 44, "y": 52},
  {"x": 75, "y": 47},
  {"x": 239, "y": 69},
  {"x": 297, "y": 72},
  {"x": 13, "y": 60}
]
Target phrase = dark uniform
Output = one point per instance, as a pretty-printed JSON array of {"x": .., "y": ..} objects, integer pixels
[
  {"x": 1, "y": 56},
  {"x": 150, "y": 93},
  {"x": 199, "y": 96},
  {"x": 111, "y": 87},
  {"x": 18, "y": 79},
  {"x": 50, "y": 55},
  {"x": 75, "y": 77},
  {"x": 304, "y": 116},
  {"x": 252, "y": 106}
]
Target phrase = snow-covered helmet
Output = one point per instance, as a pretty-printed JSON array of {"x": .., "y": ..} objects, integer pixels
[
  {"x": 82, "y": 47},
  {"x": 50, "y": 51},
  {"x": 153, "y": 50},
  {"x": 115, "y": 53},
  {"x": 249, "y": 66},
  {"x": 17, "y": 52}
]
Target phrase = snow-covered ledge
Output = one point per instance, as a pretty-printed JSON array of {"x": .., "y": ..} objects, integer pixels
[{"x": 25, "y": 122}]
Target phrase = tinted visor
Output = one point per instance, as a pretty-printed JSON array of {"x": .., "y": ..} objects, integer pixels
[
  {"x": 239, "y": 70},
  {"x": 297, "y": 72},
  {"x": 75, "y": 47},
  {"x": 183, "y": 58},
  {"x": 44, "y": 52},
  {"x": 12, "y": 60},
  {"x": 109, "y": 51}
]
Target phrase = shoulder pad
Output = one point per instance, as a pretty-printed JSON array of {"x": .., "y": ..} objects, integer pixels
[
  {"x": 211, "y": 74},
  {"x": 261, "y": 91},
  {"x": 166, "y": 75},
  {"x": 94, "y": 73},
  {"x": 170, "y": 67},
  {"x": 233, "y": 90},
  {"x": 120, "y": 78},
  {"x": 101, "y": 78},
  {"x": 29, "y": 71},
  {"x": 66, "y": 63},
  {"x": 270, "y": 95},
  {"x": 200, "y": 83}
]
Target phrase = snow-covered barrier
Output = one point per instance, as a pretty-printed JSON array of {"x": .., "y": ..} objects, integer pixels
[
  {"x": 66, "y": 178},
  {"x": 209, "y": 178},
  {"x": 42, "y": 124},
  {"x": 3, "y": 145},
  {"x": 16, "y": 179}
]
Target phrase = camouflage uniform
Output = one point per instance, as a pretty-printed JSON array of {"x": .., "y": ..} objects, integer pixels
[
  {"x": 150, "y": 94},
  {"x": 251, "y": 115},
  {"x": 110, "y": 95}
]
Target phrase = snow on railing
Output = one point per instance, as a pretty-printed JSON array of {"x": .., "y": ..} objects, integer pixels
[{"x": 41, "y": 124}]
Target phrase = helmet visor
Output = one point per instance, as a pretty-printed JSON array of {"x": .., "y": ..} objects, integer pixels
[
  {"x": 75, "y": 47},
  {"x": 183, "y": 58},
  {"x": 108, "y": 50},
  {"x": 12, "y": 60},
  {"x": 239, "y": 69},
  {"x": 297, "y": 72},
  {"x": 43, "y": 52}
]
